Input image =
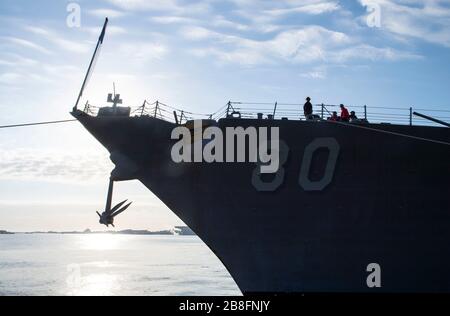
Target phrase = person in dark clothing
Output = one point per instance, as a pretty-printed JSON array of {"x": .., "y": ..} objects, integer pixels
[
  {"x": 334, "y": 117},
  {"x": 345, "y": 116},
  {"x": 308, "y": 109},
  {"x": 353, "y": 116}
]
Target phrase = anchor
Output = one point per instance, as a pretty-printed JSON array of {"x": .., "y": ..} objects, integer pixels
[{"x": 107, "y": 217}]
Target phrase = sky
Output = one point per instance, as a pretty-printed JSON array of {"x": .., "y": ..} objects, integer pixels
[{"x": 195, "y": 55}]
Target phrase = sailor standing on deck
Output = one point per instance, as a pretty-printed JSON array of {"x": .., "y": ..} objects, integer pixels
[{"x": 308, "y": 109}]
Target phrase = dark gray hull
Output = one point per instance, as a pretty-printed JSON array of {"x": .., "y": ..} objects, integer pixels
[{"x": 387, "y": 203}]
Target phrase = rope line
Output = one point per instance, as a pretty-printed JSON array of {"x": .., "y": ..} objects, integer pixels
[
  {"x": 389, "y": 132},
  {"x": 35, "y": 124}
]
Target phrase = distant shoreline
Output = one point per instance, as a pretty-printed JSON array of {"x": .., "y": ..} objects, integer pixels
[{"x": 176, "y": 231}]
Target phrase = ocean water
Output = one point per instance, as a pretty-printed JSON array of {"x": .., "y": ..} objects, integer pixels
[{"x": 106, "y": 264}]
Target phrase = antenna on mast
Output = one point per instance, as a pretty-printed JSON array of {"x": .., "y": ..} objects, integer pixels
[
  {"x": 92, "y": 63},
  {"x": 114, "y": 98}
]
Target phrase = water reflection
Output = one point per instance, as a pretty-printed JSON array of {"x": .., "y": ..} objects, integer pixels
[
  {"x": 96, "y": 278},
  {"x": 97, "y": 285},
  {"x": 101, "y": 241},
  {"x": 110, "y": 264}
]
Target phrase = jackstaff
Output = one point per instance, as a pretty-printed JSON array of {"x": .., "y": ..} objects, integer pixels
[{"x": 92, "y": 63}]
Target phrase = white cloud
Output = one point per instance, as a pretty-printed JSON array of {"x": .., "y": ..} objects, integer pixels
[
  {"x": 58, "y": 40},
  {"x": 265, "y": 15},
  {"x": 172, "y": 19},
  {"x": 199, "y": 33},
  {"x": 245, "y": 57},
  {"x": 10, "y": 78},
  {"x": 102, "y": 13},
  {"x": 220, "y": 21},
  {"x": 27, "y": 44},
  {"x": 314, "y": 9},
  {"x": 217, "y": 21},
  {"x": 60, "y": 70},
  {"x": 427, "y": 20},
  {"x": 143, "y": 52},
  {"x": 6, "y": 62},
  {"x": 26, "y": 164},
  {"x": 364, "y": 51},
  {"x": 17, "y": 61},
  {"x": 316, "y": 73},
  {"x": 21, "y": 71},
  {"x": 112, "y": 30},
  {"x": 304, "y": 45},
  {"x": 137, "y": 5},
  {"x": 70, "y": 46},
  {"x": 307, "y": 44},
  {"x": 173, "y": 6}
]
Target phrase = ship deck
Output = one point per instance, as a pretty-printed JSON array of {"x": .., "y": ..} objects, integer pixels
[{"x": 376, "y": 115}]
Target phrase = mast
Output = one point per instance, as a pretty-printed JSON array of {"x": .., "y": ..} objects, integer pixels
[{"x": 92, "y": 63}]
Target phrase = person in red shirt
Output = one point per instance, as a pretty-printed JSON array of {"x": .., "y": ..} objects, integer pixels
[{"x": 345, "y": 116}]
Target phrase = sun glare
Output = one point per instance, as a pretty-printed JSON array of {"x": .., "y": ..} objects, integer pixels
[{"x": 100, "y": 242}]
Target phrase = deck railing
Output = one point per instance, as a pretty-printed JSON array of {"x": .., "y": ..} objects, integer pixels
[
  {"x": 290, "y": 111},
  {"x": 373, "y": 114}
]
